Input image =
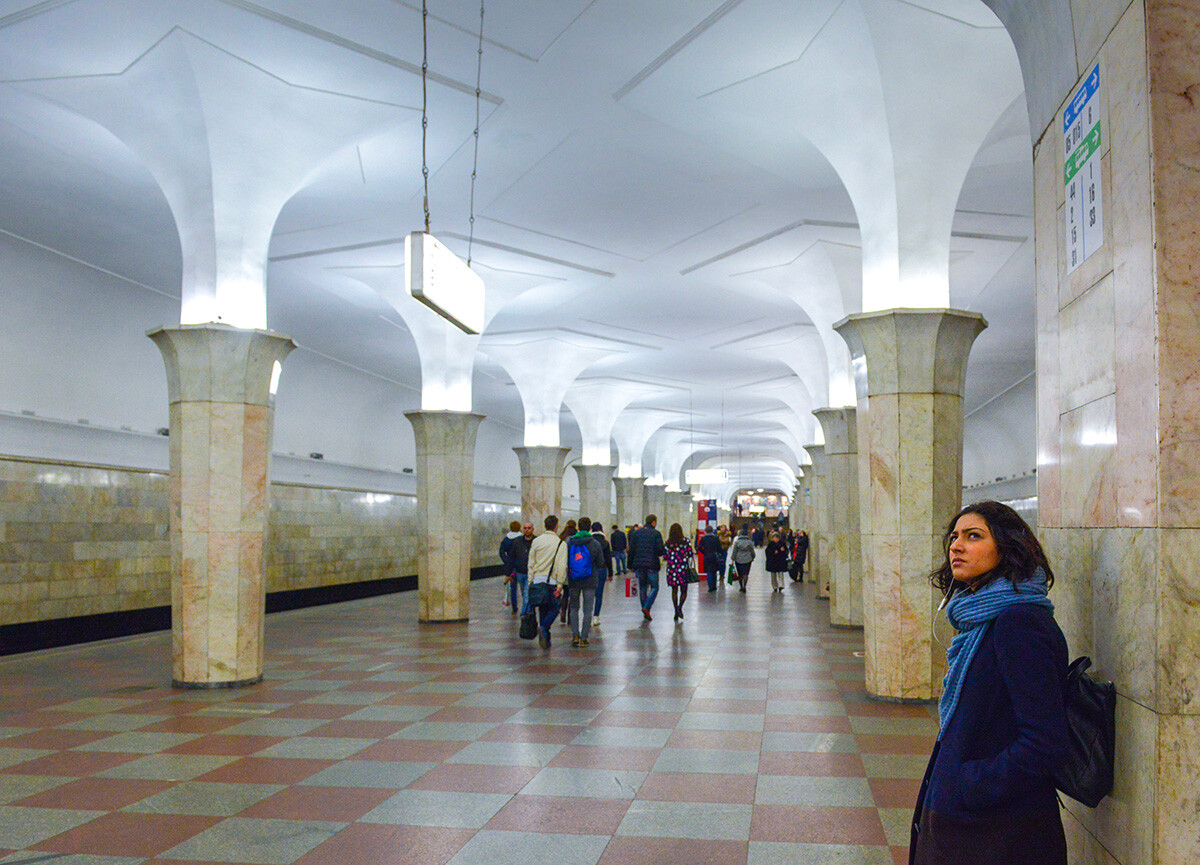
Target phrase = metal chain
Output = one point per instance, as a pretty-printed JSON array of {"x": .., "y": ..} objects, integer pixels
[
  {"x": 475, "y": 162},
  {"x": 425, "y": 104}
]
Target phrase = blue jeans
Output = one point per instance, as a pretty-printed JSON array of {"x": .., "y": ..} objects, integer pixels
[
  {"x": 647, "y": 587},
  {"x": 619, "y": 562},
  {"x": 516, "y": 591},
  {"x": 600, "y": 593},
  {"x": 712, "y": 568}
]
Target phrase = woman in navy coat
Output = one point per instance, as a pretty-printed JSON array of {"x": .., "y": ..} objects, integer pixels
[{"x": 988, "y": 794}]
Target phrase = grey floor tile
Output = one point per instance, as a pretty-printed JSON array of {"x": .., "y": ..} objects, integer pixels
[
  {"x": 97, "y": 705},
  {"x": 261, "y": 842},
  {"x": 312, "y": 685},
  {"x": 707, "y": 761},
  {"x": 274, "y": 727},
  {"x": 7, "y": 732},
  {"x": 522, "y": 848},
  {"x": 496, "y": 701},
  {"x": 446, "y": 731},
  {"x": 813, "y": 791},
  {"x": 776, "y": 853},
  {"x": 167, "y": 767},
  {"x": 741, "y": 693},
  {"x": 437, "y": 808},
  {"x": 710, "y": 822},
  {"x": 507, "y": 754},
  {"x": 14, "y": 787},
  {"x": 446, "y": 687},
  {"x": 24, "y": 827},
  {"x": 563, "y": 717},
  {"x": 402, "y": 676},
  {"x": 721, "y": 721},
  {"x": 821, "y": 743},
  {"x": 113, "y": 723},
  {"x": 67, "y": 859},
  {"x": 317, "y": 748},
  {"x": 893, "y": 726},
  {"x": 369, "y": 773},
  {"x": 16, "y": 756},
  {"x": 586, "y": 690},
  {"x": 629, "y": 703},
  {"x": 135, "y": 742},
  {"x": 349, "y": 698},
  {"x": 895, "y": 765},
  {"x": 897, "y": 825},
  {"x": 806, "y": 707},
  {"x": 589, "y": 783},
  {"x": 623, "y": 737},
  {"x": 391, "y": 713},
  {"x": 205, "y": 799}
]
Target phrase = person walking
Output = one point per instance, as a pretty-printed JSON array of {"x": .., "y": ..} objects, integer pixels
[
  {"x": 742, "y": 553},
  {"x": 645, "y": 551},
  {"x": 569, "y": 529},
  {"x": 518, "y": 558},
  {"x": 777, "y": 561},
  {"x": 988, "y": 796},
  {"x": 726, "y": 539},
  {"x": 799, "y": 554},
  {"x": 510, "y": 586},
  {"x": 679, "y": 558},
  {"x": 547, "y": 567},
  {"x": 606, "y": 577},
  {"x": 585, "y": 565},
  {"x": 619, "y": 542},
  {"x": 710, "y": 547}
]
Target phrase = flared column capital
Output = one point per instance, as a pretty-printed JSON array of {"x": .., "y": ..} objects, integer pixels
[
  {"x": 910, "y": 350},
  {"x": 444, "y": 432},
  {"x": 220, "y": 363},
  {"x": 840, "y": 426},
  {"x": 542, "y": 461}
]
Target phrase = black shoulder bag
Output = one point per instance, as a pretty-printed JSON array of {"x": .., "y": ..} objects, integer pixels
[{"x": 1086, "y": 775}]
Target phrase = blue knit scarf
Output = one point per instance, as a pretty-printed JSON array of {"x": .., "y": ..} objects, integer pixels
[{"x": 970, "y": 613}]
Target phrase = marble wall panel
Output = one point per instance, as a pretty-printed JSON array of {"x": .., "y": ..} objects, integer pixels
[
  {"x": 1047, "y": 187},
  {"x": 1088, "y": 441},
  {"x": 1072, "y": 555},
  {"x": 1124, "y": 608},
  {"x": 1085, "y": 376},
  {"x": 1178, "y": 802},
  {"x": 882, "y": 427},
  {"x": 1178, "y": 634}
]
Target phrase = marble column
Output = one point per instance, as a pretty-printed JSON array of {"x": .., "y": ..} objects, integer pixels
[
  {"x": 541, "y": 483},
  {"x": 912, "y": 364},
  {"x": 818, "y": 529},
  {"x": 1118, "y": 349},
  {"x": 596, "y": 493},
  {"x": 687, "y": 514},
  {"x": 445, "y": 445},
  {"x": 844, "y": 565},
  {"x": 219, "y": 381},
  {"x": 629, "y": 501},
  {"x": 656, "y": 503}
]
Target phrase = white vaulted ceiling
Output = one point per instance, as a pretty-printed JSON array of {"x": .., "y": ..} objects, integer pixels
[{"x": 672, "y": 196}]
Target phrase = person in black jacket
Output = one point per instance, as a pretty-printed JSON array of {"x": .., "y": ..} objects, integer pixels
[
  {"x": 645, "y": 551},
  {"x": 518, "y": 562},
  {"x": 799, "y": 554},
  {"x": 619, "y": 543},
  {"x": 710, "y": 547},
  {"x": 988, "y": 796}
]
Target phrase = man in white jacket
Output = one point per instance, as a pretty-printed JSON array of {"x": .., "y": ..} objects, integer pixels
[{"x": 547, "y": 575}]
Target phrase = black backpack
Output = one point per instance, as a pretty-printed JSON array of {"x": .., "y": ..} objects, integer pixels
[{"x": 1086, "y": 775}]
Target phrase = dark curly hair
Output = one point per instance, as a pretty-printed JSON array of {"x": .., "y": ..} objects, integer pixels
[{"x": 1020, "y": 553}]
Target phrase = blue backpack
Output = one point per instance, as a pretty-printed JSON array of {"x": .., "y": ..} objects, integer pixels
[{"x": 579, "y": 559}]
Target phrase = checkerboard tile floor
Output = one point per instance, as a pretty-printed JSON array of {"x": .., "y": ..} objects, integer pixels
[{"x": 741, "y": 736}]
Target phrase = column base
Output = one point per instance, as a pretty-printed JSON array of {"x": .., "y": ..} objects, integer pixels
[
  {"x": 213, "y": 686},
  {"x": 443, "y": 621}
]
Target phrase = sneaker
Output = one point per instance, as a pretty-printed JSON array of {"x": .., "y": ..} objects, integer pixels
[
  {"x": 543, "y": 638},
  {"x": 595, "y": 621},
  {"x": 583, "y": 644},
  {"x": 646, "y": 613},
  {"x": 575, "y": 642}
]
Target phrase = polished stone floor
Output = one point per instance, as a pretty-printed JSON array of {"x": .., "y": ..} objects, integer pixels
[{"x": 740, "y": 736}]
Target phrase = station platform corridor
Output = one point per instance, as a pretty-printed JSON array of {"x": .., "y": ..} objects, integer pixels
[{"x": 741, "y": 736}]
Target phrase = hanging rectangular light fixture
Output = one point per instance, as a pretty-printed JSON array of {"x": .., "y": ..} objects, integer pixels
[
  {"x": 706, "y": 476},
  {"x": 439, "y": 279}
]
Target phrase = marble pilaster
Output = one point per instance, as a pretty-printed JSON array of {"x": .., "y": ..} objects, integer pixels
[
  {"x": 541, "y": 482},
  {"x": 596, "y": 493},
  {"x": 844, "y": 565},
  {"x": 912, "y": 365},
  {"x": 630, "y": 506},
  {"x": 445, "y": 446},
  {"x": 818, "y": 517},
  {"x": 687, "y": 514},
  {"x": 219, "y": 381},
  {"x": 656, "y": 503}
]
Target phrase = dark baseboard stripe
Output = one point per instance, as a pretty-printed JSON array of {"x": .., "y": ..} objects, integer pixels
[{"x": 49, "y": 634}]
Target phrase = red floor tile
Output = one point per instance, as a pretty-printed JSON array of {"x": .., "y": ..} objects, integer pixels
[
  {"x": 411, "y": 750},
  {"x": 631, "y": 850},
  {"x": 58, "y": 739},
  {"x": 727, "y": 740},
  {"x": 226, "y": 745},
  {"x": 620, "y": 718},
  {"x": 472, "y": 714},
  {"x": 131, "y": 835},
  {"x": 686, "y": 787},
  {"x": 344, "y": 729},
  {"x": 192, "y": 724},
  {"x": 266, "y": 770},
  {"x": 77, "y": 764},
  {"x": 895, "y": 744},
  {"x": 370, "y": 844},
  {"x": 561, "y": 815},
  {"x": 802, "y": 825},
  {"x": 894, "y": 792},
  {"x": 811, "y": 763},
  {"x": 541, "y": 734},
  {"x": 472, "y": 778},
  {"x": 734, "y": 707},
  {"x": 806, "y": 724},
  {"x": 96, "y": 794},
  {"x": 315, "y": 711},
  {"x": 335, "y": 804},
  {"x": 421, "y": 698}
]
